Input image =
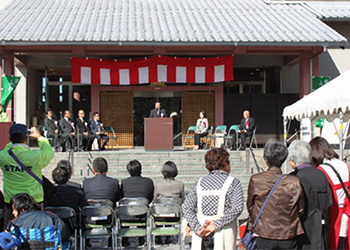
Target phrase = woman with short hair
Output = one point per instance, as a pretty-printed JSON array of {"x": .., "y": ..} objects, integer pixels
[
  {"x": 325, "y": 158},
  {"x": 214, "y": 203},
  {"x": 169, "y": 187}
]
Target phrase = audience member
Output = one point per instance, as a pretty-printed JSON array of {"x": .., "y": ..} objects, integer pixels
[
  {"x": 67, "y": 131},
  {"x": 51, "y": 127},
  {"x": 28, "y": 216},
  {"x": 158, "y": 112},
  {"x": 101, "y": 186},
  {"x": 169, "y": 187},
  {"x": 66, "y": 195},
  {"x": 326, "y": 159},
  {"x": 280, "y": 223},
  {"x": 214, "y": 203},
  {"x": 15, "y": 180},
  {"x": 98, "y": 131},
  {"x": 246, "y": 129},
  {"x": 66, "y": 164},
  {"x": 136, "y": 185},
  {"x": 3, "y": 115},
  {"x": 317, "y": 196},
  {"x": 85, "y": 137},
  {"x": 202, "y": 126}
]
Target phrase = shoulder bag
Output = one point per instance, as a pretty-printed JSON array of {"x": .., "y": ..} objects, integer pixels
[
  {"x": 248, "y": 241},
  {"x": 340, "y": 179},
  {"x": 48, "y": 187}
]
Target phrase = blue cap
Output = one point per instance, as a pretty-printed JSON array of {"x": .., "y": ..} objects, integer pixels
[{"x": 18, "y": 128}]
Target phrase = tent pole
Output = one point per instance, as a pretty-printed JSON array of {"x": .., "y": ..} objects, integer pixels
[
  {"x": 285, "y": 140},
  {"x": 341, "y": 116}
]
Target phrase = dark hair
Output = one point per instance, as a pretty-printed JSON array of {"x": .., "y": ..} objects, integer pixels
[
  {"x": 275, "y": 153},
  {"x": 320, "y": 150},
  {"x": 17, "y": 138},
  {"x": 66, "y": 111},
  {"x": 169, "y": 170},
  {"x": 95, "y": 113},
  {"x": 64, "y": 164},
  {"x": 205, "y": 116},
  {"x": 47, "y": 111},
  {"x": 100, "y": 165},
  {"x": 216, "y": 159},
  {"x": 24, "y": 202},
  {"x": 134, "y": 168},
  {"x": 60, "y": 175}
]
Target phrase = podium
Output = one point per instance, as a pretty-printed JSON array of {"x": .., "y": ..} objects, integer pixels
[
  {"x": 159, "y": 134},
  {"x": 4, "y": 134}
]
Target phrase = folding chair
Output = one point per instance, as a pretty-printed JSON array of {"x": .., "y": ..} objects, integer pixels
[
  {"x": 167, "y": 199},
  {"x": 166, "y": 221},
  {"x": 189, "y": 135},
  {"x": 208, "y": 137},
  {"x": 219, "y": 133},
  {"x": 68, "y": 216},
  {"x": 132, "y": 222},
  {"x": 113, "y": 137},
  {"x": 229, "y": 136},
  {"x": 253, "y": 139},
  {"x": 100, "y": 202},
  {"x": 91, "y": 216},
  {"x": 133, "y": 201}
]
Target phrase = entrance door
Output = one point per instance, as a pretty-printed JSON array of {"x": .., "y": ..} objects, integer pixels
[{"x": 145, "y": 101}]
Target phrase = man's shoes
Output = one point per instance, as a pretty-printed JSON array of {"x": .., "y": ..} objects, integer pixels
[
  {"x": 242, "y": 149},
  {"x": 233, "y": 148}
]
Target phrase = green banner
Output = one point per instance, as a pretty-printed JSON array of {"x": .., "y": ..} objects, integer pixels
[
  {"x": 319, "y": 81},
  {"x": 8, "y": 86}
]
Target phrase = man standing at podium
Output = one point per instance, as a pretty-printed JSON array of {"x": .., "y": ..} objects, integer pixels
[{"x": 158, "y": 111}]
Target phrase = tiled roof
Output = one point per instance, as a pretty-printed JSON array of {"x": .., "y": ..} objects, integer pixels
[
  {"x": 331, "y": 10},
  {"x": 235, "y": 22}
]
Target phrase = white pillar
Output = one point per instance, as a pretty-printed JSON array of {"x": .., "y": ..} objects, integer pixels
[{"x": 20, "y": 96}]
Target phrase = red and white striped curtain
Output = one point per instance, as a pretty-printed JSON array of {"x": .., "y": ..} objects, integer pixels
[{"x": 154, "y": 69}]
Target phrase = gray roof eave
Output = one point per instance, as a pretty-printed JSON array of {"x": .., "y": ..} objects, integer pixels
[{"x": 172, "y": 43}]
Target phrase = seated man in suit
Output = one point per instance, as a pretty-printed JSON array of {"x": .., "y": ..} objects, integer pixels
[
  {"x": 98, "y": 131},
  {"x": 51, "y": 127},
  {"x": 84, "y": 135},
  {"x": 101, "y": 186},
  {"x": 246, "y": 129},
  {"x": 136, "y": 185},
  {"x": 67, "y": 131},
  {"x": 158, "y": 111}
]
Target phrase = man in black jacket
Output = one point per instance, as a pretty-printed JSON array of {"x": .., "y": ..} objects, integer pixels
[
  {"x": 67, "y": 131},
  {"x": 98, "y": 131},
  {"x": 158, "y": 112},
  {"x": 51, "y": 127},
  {"x": 85, "y": 138},
  {"x": 317, "y": 197},
  {"x": 101, "y": 186},
  {"x": 246, "y": 129}
]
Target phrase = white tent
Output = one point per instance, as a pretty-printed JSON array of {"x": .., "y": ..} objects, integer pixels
[{"x": 330, "y": 101}]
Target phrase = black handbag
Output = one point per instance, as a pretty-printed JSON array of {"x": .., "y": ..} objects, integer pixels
[
  {"x": 48, "y": 187},
  {"x": 248, "y": 241}
]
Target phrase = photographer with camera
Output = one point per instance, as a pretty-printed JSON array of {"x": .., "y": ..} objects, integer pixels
[{"x": 15, "y": 178}]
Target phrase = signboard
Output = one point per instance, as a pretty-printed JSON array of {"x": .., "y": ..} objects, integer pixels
[
  {"x": 306, "y": 129},
  {"x": 319, "y": 81}
]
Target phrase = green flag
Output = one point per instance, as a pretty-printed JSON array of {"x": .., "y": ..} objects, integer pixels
[{"x": 8, "y": 86}]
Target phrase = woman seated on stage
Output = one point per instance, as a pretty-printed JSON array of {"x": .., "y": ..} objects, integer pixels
[{"x": 202, "y": 126}]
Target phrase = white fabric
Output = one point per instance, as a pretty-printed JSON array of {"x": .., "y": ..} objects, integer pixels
[
  {"x": 85, "y": 75},
  {"x": 323, "y": 102},
  {"x": 200, "y": 75},
  {"x": 219, "y": 73},
  {"x": 105, "y": 76},
  {"x": 143, "y": 75},
  {"x": 181, "y": 74},
  {"x": 162, "y": 73},
  {"x": 124, "y": 76},
  {"x": 225, "y": 238}
]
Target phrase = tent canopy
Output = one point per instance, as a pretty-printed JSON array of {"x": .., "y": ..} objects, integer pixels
[{"x": 326, "y": 101}]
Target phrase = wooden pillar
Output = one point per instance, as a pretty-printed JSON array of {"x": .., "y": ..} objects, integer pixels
[
  {"x": 304, "y": 74},
  {"x": 316, "y": 66},
  {"x": 9, "y": 70},
  {"x": 95, "y": 98},
  {"x": 219, "y": 104}
]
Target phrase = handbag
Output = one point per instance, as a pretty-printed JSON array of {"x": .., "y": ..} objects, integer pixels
[
  {"x": 48, "y": 187},
  {"x": 248, "y": 241}
]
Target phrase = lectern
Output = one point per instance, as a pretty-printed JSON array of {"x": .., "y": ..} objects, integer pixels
[
  {"x": 159, "y": 134},
  {"x": 4, "y": 134}
]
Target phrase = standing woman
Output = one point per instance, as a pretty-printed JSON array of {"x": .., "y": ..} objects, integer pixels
[
  {"x": 214, "y": 203},
  {"x": 325, "y": 158},
  {"x": 202, "y": 126}
]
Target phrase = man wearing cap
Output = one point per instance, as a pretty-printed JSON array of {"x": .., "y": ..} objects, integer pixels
[{"x": 16, "y": 180}]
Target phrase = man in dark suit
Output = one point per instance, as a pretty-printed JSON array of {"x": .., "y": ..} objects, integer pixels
[
  {"x": 101, "y": 186},
  {"x": 84, "y": 135},
  {"x": 97, "y": 130},
  {"x": 51, "y": 127},
  {"x": 136, "y": 185},
  {"x": 67, "y": 131},
  {"x": 246, "y": 129},
  {"x": 158, "y": 111}
]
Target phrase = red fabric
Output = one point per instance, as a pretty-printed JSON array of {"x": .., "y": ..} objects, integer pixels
[
  {"x": 335, "y": 214},
  {"x": 152, "y": 64}
]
